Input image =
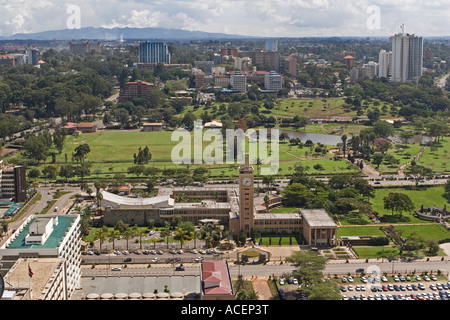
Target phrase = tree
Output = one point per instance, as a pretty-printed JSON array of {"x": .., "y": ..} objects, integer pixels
[
  {"x": 81, "y": 152},
  {"x": 309, "y": 267},
  {"x": 383, "y": 129},
  {"x": 59, "y": 137},
  {"x": 36, "y": 148},
  {"x": 344, "y": 144},
  {"x": 418, "y": 172},
  {"x": 398, "y": 202}
]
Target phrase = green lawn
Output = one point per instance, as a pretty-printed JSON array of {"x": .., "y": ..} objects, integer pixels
[
  {"x": 360, "y": 231},
  {"x": 437, "y": 158},
  {"x": 426, "y": 196}
]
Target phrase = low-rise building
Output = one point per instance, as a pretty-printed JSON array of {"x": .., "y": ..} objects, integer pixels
[
  {"x": 216, "y": 281},
  {"x": 152, "y": 126}
]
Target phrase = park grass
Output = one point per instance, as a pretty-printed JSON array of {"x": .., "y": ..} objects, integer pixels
[
  {"x": 360, "y": 231},
  {"x": 437, "y": 158},
  {"x": 428, "y": 232},
  {"x": 404, "y": 154},
  {"x": 367, "y": 252},
  {"x": 426, "y": 196}
]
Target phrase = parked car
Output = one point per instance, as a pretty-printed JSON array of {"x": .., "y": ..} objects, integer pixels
[
  {"x": 116, "y": 269},
  {"x": 127, "y": 260},
  {"x": 281, "y": 281}
]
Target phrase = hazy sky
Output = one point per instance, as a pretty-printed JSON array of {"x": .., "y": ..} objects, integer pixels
[{"x": 268, "y": 18}]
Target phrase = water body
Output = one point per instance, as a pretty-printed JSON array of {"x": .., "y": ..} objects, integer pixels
[
  {"x": 333, "y": 140},
  {"x": 326, "y": 139}
]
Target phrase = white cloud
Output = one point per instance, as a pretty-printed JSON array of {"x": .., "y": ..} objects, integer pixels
[{"x": 248, "y": 17}]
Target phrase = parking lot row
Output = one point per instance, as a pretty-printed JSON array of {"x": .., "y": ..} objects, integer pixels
[{"x": 412, "y": 296}]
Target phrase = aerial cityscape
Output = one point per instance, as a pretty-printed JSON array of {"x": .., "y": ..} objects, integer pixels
[{"x": 231, "y": 151}]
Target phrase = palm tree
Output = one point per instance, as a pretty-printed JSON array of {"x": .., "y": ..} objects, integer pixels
[
  {"x": 113, "y": 234},
  {"x": 140, "y": 233},
  {"x": 101, "y": 234},
  {"x": 196, "y": 235},
  {"x": 154, "y": 241},
  {"x": 182, "y": 234},
  {"x": 267, "y": 180},
  {"x": 344, "y": 143},
  {"x": 128, "y": 234},
  {"x": 266, "y": 201},
  {"x": 166, "y": 234}
]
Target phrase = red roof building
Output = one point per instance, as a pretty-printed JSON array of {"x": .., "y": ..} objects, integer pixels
[{"x": 216, "y": 281}]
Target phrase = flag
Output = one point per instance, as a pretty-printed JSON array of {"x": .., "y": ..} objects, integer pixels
[{"x": 30, "y": 273}]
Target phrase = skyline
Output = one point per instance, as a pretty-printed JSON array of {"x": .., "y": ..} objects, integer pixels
[{"x": 270, "y": 18}]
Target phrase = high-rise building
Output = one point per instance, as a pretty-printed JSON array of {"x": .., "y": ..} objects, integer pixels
[
  {"x": 290, "y": 65},
  {"x": 265, "y": 60},
  {"x": 273, "y": 81},
  {"x": 407, "y": 58},
  {"x": 271, "y": 45},
  {"x": 13, "y": 184},
  {"x": 47, "y": 236},
  {"x": 84, "y": 47},
  {"x": 238, "y": 82},
  {"x": 137, "y": 89},
  {"x": 32, "y": 56},
  {"x": 154, "y": 52},
  {"x": 385, "y": 64}
]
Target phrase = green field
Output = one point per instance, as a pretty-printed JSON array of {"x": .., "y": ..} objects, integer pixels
[
  {"x": 426, "y": 196},
  {"x": 437, "y": 158},
  {"x": 112, "y": 152}
]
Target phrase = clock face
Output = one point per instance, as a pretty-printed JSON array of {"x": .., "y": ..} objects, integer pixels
[{"x": 247, "y": 181}]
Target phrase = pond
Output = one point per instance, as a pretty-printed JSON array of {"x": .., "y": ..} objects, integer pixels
[{"x": 326, "y": 139}]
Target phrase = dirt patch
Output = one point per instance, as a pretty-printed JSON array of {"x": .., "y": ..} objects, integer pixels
[{"x": 262, "y": 288}]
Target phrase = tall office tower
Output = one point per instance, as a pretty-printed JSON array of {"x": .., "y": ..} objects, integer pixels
[
  {"x": 273, "y": 81},
  {"x": 154, "y": 52},
  {"x": 32, "y": 56},
  {"x": 407, "y": 57},
  {"x": 385, "y": 64},
  {"x": 238, "y": 82},
  {"x": 271, "y": 45}
]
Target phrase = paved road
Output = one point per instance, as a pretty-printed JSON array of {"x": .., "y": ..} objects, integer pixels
[{"x": 274, "y": 268}]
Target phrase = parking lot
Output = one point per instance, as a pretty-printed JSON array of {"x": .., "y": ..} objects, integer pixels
[{"x": 396, "y": 287}]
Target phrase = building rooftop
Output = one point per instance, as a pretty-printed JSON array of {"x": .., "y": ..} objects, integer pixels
[
  {"x": 113, "y": 199},
  {"x": 43, "y": 270},
  {"x": 54, "y": 239},
  {"x": 317, "y": 218},
  {"x": 265, "y": 216},
  {"x": 215, "y": 278}
]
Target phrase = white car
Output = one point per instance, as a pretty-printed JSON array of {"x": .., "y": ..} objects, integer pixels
[
  {"x": 199, "y": 259},
  {"x": 125, "y": 252},
  {"x": 116, "y": 269},
  {"x": 295, "y": 281},
  {"x": 117, "y": 252},
  {"x": 155, "y": 259},
  {"x": 180, "y": 251},
  {"x": 281, "y": 281},
  {"x": 194, "y": 251},
  {"x": 350, "y": 279}
]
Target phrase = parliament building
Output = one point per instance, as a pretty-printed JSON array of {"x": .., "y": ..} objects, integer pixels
[{"x": 236, "y": 208}]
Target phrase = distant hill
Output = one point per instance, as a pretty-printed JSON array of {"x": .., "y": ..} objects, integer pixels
[{"x": 122, "y": 33}]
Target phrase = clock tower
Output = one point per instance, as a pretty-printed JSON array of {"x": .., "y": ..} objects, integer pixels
[{"x": 246, "y": 196}]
